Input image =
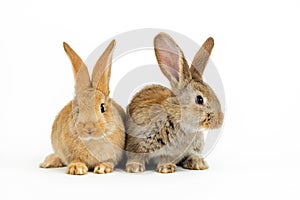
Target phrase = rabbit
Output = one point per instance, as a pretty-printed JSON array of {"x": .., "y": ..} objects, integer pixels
[
  {"x": 167, "y": 125},
  {"x": 88, "y": 133}
]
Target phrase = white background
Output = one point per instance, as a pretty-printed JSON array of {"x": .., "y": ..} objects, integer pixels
[{"x": 257, "y": 50}]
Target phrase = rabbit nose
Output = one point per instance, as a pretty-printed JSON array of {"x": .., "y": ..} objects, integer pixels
[
  {"x": 90, "y": 131},
  {"x": 209, "y": 116},
  {"x": 89, "y": 126}
]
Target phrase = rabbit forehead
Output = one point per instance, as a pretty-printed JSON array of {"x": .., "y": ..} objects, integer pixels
[
  {"x": 201, "y": 88},
  {"x": 90, "y": 97}
]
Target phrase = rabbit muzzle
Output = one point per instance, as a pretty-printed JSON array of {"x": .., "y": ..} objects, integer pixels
[
  {"x": 212, "y": 120},
  {"x": 89, "y": 129}
]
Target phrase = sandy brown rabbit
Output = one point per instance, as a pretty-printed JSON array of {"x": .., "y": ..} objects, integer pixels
[
  {"x": 167, "y": 125},
  {"x": 88, "y": 133}
]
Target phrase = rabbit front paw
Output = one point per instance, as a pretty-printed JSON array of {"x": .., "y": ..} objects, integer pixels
[
  {"x": 135, "y": 167},
  {"x": 77, "y": 168},
  {"x": 103, "y": 168},
  {"x": 195, "y": 163},
  {"x": 166, "y": 168}
]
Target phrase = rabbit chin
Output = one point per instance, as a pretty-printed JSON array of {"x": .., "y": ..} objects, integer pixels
[
  {"x": 94, "y": 136},
  {"x": 210, "y": 126},
  {"x": 88, "y": 138}
]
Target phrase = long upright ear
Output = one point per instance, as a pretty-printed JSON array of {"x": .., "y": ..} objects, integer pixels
[
  {"x": 80, "y": 71},
  {"x": 171, "y": 60},
  {"x": 201, "y": 58},
  {"x": 102, "y": 69}
]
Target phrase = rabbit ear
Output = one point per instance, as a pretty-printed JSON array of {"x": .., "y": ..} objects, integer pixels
[
  {"x": 81, "y": 74},
  {"x": 82, "y": 80},
  {"x": 171, "y": 60},
  {"x": 201, "y": 59},
  {"x": 102, "y": 69}
]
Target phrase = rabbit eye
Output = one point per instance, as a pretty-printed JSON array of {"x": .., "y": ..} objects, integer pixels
[
  {"x": 77, "y": 110},
  {"x": 199, "y": 100},
  {"x": 102, "y": 108}
]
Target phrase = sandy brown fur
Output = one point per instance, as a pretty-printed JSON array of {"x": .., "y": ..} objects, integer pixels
[
  {"x": 152, "y": 100},
  {"x": 69, "y": 148},
  {"x": 83, "y": 137}
]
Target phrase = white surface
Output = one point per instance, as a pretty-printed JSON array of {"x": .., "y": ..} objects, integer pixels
[{"x": 257, "y": 55}]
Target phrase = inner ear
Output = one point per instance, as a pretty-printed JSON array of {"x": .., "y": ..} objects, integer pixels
[{"x": 170, "y": 58}]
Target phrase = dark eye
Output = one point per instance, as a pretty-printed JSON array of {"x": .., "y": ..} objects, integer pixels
[
  {"x": 199, "y": 100},
  {"x": 77, "y": 110},
  {"x": 102, "y": 108}
]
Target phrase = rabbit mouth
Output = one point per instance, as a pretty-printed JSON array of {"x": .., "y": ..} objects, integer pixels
[
  {"x": 209, "y": 125},
  {"x": 88, "y": 135},
  {"x": 88, "y": 138},
  {"x": 212, "y": 121}
]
